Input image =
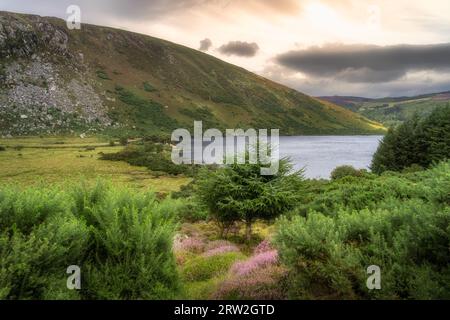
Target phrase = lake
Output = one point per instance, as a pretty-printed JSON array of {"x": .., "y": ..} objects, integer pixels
[{"x": 319, "y": 155}]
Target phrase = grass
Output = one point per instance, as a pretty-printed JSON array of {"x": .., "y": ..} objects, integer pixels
[
  {"x": 34, "y": 160},
  {"x": 202, "y": 290}
]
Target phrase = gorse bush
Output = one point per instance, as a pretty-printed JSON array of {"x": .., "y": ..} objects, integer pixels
[
  {"x": 404, "y": 231},
  {"x": 345, "y": 171},
  {"x": 370, "y": 191},
  {"x": 133, "y": 239},
  {"x": 328, "y": 256},
  {"x": 39, "y": 239},
  {"x": 193, "y": 211},
  {"x": 121, "y": 240}
]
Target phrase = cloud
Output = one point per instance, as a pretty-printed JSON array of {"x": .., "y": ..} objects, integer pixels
[
  {"x": 103, "y": 9},
  {"x": 239, "y": 48},
  {"x": 412, "y": 84},
  {"x": 146, "y": 9},
  {"x": 367, "y": 63},
  {"x": 205, "y": 44},
  {"x": 339, "y": 69}
]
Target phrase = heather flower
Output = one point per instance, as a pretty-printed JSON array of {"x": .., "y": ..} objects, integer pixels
[
  {"x": 217, "y": 243},
  {"x": 262, "y": 284},
  {"x": 255, "y": 262},
  {"x": 191, "y": 244},
  {"x": 264, "y": 246},
  {"x": 221, "y": 250}
]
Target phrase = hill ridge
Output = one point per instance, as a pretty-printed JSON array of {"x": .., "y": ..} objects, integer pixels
[
  {"x": 392, "y": 111},
  {"x": 104, "y": 79}
]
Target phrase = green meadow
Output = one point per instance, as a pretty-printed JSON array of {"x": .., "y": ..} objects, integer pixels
[{"x": 55, "y": 160}]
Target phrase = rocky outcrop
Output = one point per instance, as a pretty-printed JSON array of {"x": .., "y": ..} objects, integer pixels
[
  {"x": 19, "y": 38},
  {"x": 36, "y": 98},
  {"x": 39, "y": 94}
]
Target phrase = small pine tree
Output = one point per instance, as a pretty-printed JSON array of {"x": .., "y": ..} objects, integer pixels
[{"x": 240, "y": 193}]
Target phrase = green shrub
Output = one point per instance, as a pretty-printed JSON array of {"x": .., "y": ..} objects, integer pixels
[
  {"x": 193, "y": 211},
  {"x": 357, "y": 193},
  {"x": 413, "y": 168},
  {"x": 345, "y": 171},
  {"x": 2, "y": 148},
  {"x": 122, "y": 241},
  {"x": 103, "y": 75},
  {"x": 123, "y": 141},
  {"x": 203, "y": 268},
  {"x": 23, "y": 211},
  {"x": 158, "y": 138},
  {"x": 148, "y": 87},
  {"x": 39, "y": 239},
  {"x": 154, "y": 156},
  {"x": 132, "y": 236},
  {"x": 400, "y": 223}
]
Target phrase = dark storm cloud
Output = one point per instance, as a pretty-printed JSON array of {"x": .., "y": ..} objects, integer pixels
[
  {"x": 367, "y": 63},
  {"x": 238, "y": 48},
  {"x": 205, "y": 45}
]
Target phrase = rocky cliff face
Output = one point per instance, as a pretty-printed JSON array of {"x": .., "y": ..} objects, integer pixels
[
  {"x": 22, "y": 38},
  {"x": 44, "y": 88}
]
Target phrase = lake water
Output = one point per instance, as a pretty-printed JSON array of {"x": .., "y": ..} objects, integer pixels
[{"x": 319, "y": 155}]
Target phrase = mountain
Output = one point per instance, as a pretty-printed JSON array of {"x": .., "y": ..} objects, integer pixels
[
  {"x": 100, "y": 79},
  {"x": 392, "y": 111}
]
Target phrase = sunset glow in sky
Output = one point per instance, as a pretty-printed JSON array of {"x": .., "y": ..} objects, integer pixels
[{"x": 321, "y": 47}]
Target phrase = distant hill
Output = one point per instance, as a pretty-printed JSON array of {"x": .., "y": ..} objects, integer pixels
[
  {"x": 106, "y": 80},
  {"x": 392, "y": 111}
]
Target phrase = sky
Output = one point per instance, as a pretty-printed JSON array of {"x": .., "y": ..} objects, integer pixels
[{"x": 370, "y": 48}]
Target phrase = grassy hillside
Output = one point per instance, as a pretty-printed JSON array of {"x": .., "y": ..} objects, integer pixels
[
  {"x": 392, "y": 111},
  {"x": 143, "y": 85}
]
